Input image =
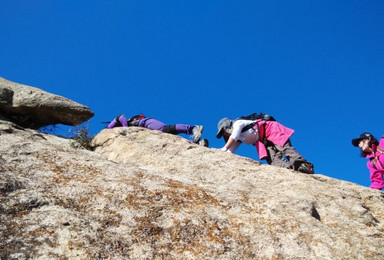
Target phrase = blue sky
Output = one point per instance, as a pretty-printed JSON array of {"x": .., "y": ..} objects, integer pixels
[{"x": 316, "y": 66}]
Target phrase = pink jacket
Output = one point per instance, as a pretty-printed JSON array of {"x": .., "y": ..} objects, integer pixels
[
  {"x": 375, "y": 165},
  {"x": 274, "y": 132}
]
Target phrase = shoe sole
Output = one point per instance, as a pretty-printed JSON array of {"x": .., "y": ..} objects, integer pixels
[{"x": 197, "y": 136}]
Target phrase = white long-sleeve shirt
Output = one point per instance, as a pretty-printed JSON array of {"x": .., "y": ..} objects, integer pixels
[{"x": 251, "y": 136}]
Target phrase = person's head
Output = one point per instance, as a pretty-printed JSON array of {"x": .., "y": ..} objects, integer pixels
[
  {"x": 224, "y": 127},
  {"x": 365, "y": 142}
]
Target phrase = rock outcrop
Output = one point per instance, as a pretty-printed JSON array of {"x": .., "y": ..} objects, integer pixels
[
  {"x": 144, "y": 194},
  {"x": 34, "y": 108}
]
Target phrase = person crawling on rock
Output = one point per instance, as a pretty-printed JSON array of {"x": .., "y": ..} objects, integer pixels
[
  {"x": 270, "y": 138},
  {"x": 372, "y": 150},
  {"x": 151, "y": 123}
]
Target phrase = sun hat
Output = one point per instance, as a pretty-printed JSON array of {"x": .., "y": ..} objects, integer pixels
[
  {"x": 365, "y": 135},
  {"x": 223, "y": 125}
]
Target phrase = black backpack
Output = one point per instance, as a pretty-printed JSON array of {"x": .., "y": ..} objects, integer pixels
[
  {"x": 134, "y": 120},
  {"x": 253, "y": 117}
]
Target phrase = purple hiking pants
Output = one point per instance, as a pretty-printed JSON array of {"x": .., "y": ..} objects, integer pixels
[{"x": 155, "y": 124}]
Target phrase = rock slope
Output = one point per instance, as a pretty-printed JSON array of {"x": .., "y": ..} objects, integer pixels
[
  {"x": 34, "y": 108},
  {"x": 144, "y": 194}
]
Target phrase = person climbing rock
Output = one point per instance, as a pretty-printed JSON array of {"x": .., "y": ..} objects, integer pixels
[
  {"x": 270, "y": 138},
  {"x": 372, "y": 149},
  {"x": 151, "y": 123}
]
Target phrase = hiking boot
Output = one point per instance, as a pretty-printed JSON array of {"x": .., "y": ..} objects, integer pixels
[
  {"x": 306, "y": 168},
  {"x": 196, "y": 133},
  {"x": 204, "y": 142}
]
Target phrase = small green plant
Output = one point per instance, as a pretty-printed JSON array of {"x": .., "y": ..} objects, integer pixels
[{"x": 81, "y": 138}]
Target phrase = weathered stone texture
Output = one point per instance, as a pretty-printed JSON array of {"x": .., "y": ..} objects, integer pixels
[
  {"x": 148, "y": 195},
  {"x": 34, "y": 108}
]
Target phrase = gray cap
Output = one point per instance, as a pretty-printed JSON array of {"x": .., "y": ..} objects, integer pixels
[{"x": 223, "y": 125}]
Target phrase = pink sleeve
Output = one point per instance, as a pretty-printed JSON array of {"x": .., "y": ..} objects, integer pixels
[
  {"x": 381, "y": 143},
  {"x": 261, "y": 150}
]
